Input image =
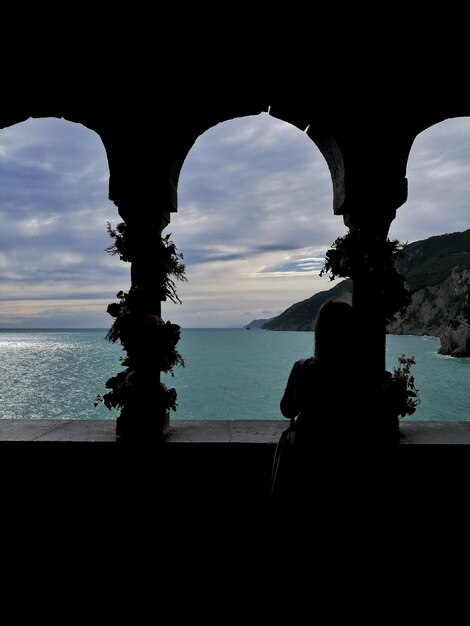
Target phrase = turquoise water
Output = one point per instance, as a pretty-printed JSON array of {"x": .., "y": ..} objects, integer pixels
[
  {"x": 228, "y": 374},
  {"x": 55, "y": 373}
]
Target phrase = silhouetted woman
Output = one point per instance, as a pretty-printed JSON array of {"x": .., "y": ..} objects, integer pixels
[
  {"x": 333, "y": 471},
  {"x": 324, "y": 390}
]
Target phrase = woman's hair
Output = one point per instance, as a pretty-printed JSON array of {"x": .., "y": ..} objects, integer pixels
[{"x": 336, "y": 330}]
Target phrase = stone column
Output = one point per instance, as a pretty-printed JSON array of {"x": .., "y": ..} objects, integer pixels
[
  {"x": 368, "y": 172},
  {"x": 368, "y": 292},
  {"x": 146, "y": 339},
  {"x": 143, "y": 416},
  {"x": 143, "y": 187}
]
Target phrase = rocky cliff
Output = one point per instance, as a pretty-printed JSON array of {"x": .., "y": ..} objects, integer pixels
[
  {"x": 441, "y": 311},
  {"x": 437, "y": 271}
]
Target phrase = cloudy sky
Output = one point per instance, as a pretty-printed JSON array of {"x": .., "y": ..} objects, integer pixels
[{"x": 254, "y": 220}]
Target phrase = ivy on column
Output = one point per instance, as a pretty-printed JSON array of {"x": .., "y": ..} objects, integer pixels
[{"x": 148, "y": 341}]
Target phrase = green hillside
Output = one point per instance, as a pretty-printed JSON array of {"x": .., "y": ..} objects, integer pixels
[
  {"x": 428, "y": 262},
  {"x": 299, "y": 316},
  {"x": 425, "y": 264}
]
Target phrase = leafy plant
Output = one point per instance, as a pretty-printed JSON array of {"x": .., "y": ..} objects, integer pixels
[
  {"x": 354, "y": 255},
  {"x": 169, "y": 259},
  {"x": 149, "y": 341},
  {"x": 400, "y": 390},
  {"x": 358, "y": 256}
]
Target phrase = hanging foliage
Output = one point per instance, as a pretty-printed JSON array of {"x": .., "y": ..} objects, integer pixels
[
  {"x": 401, "y": 392},
  {"x": 359, "y": 257},
  {"x": 149, "y": 341}
]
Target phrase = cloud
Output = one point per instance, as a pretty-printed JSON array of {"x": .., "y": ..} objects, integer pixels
[
  {"x": 54, "y": 313},
  {"x": 254, "y": 221},
  {"x": 255, "y": 202},
  {"x": 246, "y": 193},
  {"x": 438, "y": 183},
  {"x": 54, "y": 208}
]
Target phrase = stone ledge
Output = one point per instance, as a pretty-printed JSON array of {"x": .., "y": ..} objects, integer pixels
[
  {"x": 435, "y": 433},
  {"x": 57, "y": 430},
  {"x": 205, "y": 431}
]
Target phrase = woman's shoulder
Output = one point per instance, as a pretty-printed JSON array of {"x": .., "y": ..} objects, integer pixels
[
  {"x": 308, "y": 369},
  {"x": 303, "y": 364},
  {"x": 309, "y": 363}
]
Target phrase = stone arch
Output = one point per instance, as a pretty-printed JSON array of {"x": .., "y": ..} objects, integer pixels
[
  {"x": 367, "y": 164},
  {"x": 423, "y": 128},
  {"x": 55, "y": 135},
  {"x": 297, "y": 158},
  {"x": 318, "y": 132},
  {"x": 90, "y": 122},
  {"x": 73, "y": 251},
  {"x": 366, "y": 147},
  {"x": 432, "y": 312}
]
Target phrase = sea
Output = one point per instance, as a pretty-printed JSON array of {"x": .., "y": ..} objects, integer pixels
[{"x": 228, "y": 374}]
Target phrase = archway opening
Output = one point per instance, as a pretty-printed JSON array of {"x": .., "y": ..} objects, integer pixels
[
  {"x": 435, "y": 221},
  {"x": 255, "y": 219},
  {"x": 56, "y": 276}
]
